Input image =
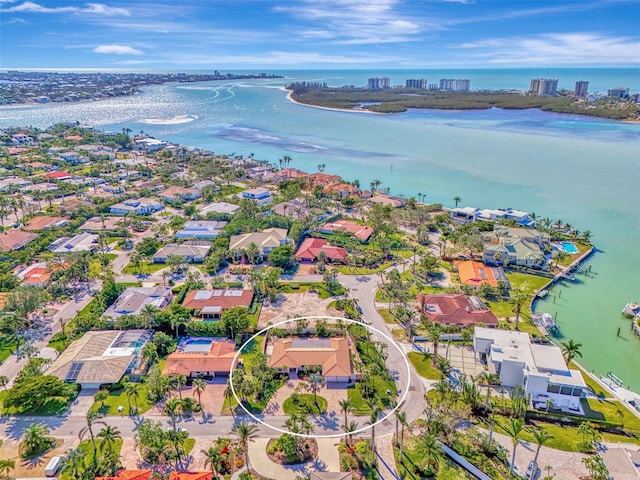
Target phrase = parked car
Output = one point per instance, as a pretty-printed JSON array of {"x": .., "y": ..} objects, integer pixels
[{"x": 533, "y": 471}]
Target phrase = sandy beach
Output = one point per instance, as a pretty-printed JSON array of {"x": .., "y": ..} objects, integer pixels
[{"x": 350, "y": 110}]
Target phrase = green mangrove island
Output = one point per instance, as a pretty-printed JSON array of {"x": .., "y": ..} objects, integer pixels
[{"x": 399, "y": 99}]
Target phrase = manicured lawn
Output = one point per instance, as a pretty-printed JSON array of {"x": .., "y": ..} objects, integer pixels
[
  {"x": 118, "y": 398},
  {"x": 189, "y": 443},
  {"x": 501, "y": 309},
  {"x": 55, "y": 406},
  {"x": 7, "y": 346},
  {"x": 532, "y": 283},
  {"x": 305, "y": 404},
  {"x": 614, "y": 411},
  {"x": 144, "y": 268},
  {"x": 360, "y": 407},
  {"x": 424, "y": 366},
  {"x": 387, "y": 316},
  {"x": 591, "y": 383}
]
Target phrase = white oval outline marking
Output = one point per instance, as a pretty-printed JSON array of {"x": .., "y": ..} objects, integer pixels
[{"x": 317, "y": 317}]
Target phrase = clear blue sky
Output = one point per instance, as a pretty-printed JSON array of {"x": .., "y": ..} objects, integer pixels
[{"x": 301, "y": 34}]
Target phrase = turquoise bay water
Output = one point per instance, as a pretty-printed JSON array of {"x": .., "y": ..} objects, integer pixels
[{"x": 585, "y": 171}]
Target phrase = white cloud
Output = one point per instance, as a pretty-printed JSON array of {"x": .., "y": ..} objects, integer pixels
[
  {"x": 118, "y": 50},
  {"x": 88, "y": 9},
  {"x": 353, "y": 21},
  {"x": 557, "y": 49}
]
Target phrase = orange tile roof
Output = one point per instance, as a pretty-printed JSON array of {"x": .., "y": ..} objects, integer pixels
[
  {"x": 217, "y": 298},
  {"x": 15, "y": 239},
  {"x": 218, "y": 359},
  {"x": 130, "y": 475},
  {"x": 191, "y": 476},
  {"x": 332, "y": 354},
  {"x": 475, "y": 273},
  {"x": 456, "y": 309},
  {"x": 320, "y": 178},
  {"x": 361, "y": 232},
  {"x": 36, "y": 276},
  {"x": 310, "y": 248},
  {"x": 42, "y": 222}
]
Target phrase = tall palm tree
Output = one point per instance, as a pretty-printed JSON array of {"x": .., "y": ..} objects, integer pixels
[
  {"x": 132, "y": 390},
  {"x": 212, "y": 458},
  {"x": 109, "y": 435},
  {"x": 349, "y": 428},
  {"x": 513, "y": 429},
  {"x": 346, "y": 406},
  {"x": 199, "y": 386},
  {"x": 489, "y": 379},
  {"x": 540, "y": 436},
  {"x": 519, "y": 296},
  {"x": 373, "y": 418},
  {"x": 177, "y": 383},
  {"x": 402, "y": 418},
  {"x": 173, "y": 409},
  {"x": 434, "y": 332},
  {"x": 316, "y": 382},
  {"x": 457, "y": 199},
  {"x": 571, "y": 350},
  {"x": 93, "y": 418},
  {"x": 245, "y": 433}
]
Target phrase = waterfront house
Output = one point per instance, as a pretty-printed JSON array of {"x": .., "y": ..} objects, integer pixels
[
  {"x": 361, "y": 232},
  {"x": 11, "y": 240},
  {"x": 266, "y": 241},
  {"x": 175, "y": 194},
  {"x": 101, "y": 357},
  {"x": 463, "y": 214},
  {"x": 134, "y": 299},
  {"x": 289, "y": 174},
  {"x": 200, "y": 229},
  {"x": 456, "y": 309},
  {"x": 262, "y": 196},
  {"x": 83, "y": 242},
  {"x": 149, "y": 144},
  {"x": 191, "y": 251},
  {"x": 531, "y": 235},
  {"x": 209, "y": 304},
  {"x": 310, "y": 249},
  {"x": 385, "y": 199},
  {"x": 473, "y": 274},
  {"x": 323, "y": 179},
  {"x": 515, "y": 246},
  {"x": 332, "y": 356},
  {"x": 342, "y": 190},
  {"x": 202, "y": 356},
  {"x": 539, "y": 369},
  {"x": 137, "y": 206}
]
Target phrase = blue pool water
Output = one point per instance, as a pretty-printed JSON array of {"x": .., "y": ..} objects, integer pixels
[
  {"x": 570, "y": 248},
  {"x": 196, "y": 345}
]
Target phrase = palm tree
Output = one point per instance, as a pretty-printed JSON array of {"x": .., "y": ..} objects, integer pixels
[
  {"x": 109, "y": 435},
  {"x": 93, "y": 418},
  {"x": 430, "y": 451},
  {"x": 316, "y": 382},
  {"x": 177, "y": 383},
  {"x": 5, "y": 467},
  {"x": 132, "y": 390},
  {"x": 434, "y": 331},
  {"x": 519, "y": 296},
  {"x": 571, "y": 350},
  {"x": 375, "y": 410},
  {"x": 349, "y": 428},
  {"x": 457, "y": 199},
  {"x": 489, "y": 379},
  {"x": 73, "y": 461},
  {"x": 199, "y": 386},
  {"x": 172, "y": 408},
  {"x": 35, "y": 438},
  {"x": 346, "y": 406},
  {"x": 212, "y": 458},
  {"x": 513, "y": 429},
  {"x": 540, "y": 436},
  {"x": 245, "y": 432},
  {"x": 4, "y": 381},
  {"x": 402, "y": 418}
]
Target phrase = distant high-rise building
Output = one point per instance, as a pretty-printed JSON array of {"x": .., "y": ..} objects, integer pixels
[
  {"x": 543, "y": 86},
  {"x": 416, "y": 83},
  {"x": 434, "y": 86},
  {"x": 581, "y": 89},
  {"x": 446, "y": 84},
  {"x": 455, "y": 85},
  {"x": 620, "y": 92},
  {"x": 462, "y": 85},
  {"x": 378, "y": 82}
]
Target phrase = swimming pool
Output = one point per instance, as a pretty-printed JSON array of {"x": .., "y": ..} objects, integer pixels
[
  {"x": 569, "y": 248},
  {"x": 193, "y": 345}
]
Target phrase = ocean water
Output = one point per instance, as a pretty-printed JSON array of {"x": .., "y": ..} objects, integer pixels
[{"x": 585, "y": 171}]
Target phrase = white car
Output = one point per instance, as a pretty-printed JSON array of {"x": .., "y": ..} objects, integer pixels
[{"x": 533, "y": 471}]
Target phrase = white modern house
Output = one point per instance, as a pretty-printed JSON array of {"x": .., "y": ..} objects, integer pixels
[
  {"x": 538, "y": 368},
  {"x": 137, "y": 206}
]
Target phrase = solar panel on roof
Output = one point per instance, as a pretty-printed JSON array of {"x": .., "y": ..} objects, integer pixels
[
  {"x": 74, "y": 371},
  {"x": 202, "y": 295}
]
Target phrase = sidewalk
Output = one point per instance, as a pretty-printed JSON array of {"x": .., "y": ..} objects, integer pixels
[{"x": 386, "y": 459}]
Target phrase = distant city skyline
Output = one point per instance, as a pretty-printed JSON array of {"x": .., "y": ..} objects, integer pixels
[{"x": 308, "y": 34}]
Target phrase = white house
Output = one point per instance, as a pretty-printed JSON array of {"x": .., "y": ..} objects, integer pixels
[
  {"x": 538, "y": 368},
  {"x": 84, "y": 242},
  {"x": 138, "y": 206},
  {"x": 262, "y": 196}
]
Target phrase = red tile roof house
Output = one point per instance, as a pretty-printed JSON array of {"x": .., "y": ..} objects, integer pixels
[
  {"x": 44, "y": 222},
  {"x": 15, "y": 239},
  {"x": 191, "y": 476},
  {"x": 323, "y": 179},
  {"x": 209, "y": 304},
  {"x": 361, "y": 232},
  {"x": 130, "y": 475},
  {"x": 310, "y": 249},
  {"x": 213, "y": 359},
  {"x": 456, "y": 309},
  {"x": 57, "y": 176},
  {"x": 179, "y": 194}
]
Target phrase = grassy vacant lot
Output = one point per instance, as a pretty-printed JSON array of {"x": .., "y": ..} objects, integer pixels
[
  {"x": 530, "y": 283},
  {"x": 305, "y": 404},
  {"x": 118, "y": 398},
  {"x": 301, "y": 287},
  {"x": 424, "y": 366},
  {"x": 144, "y": 268}
]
